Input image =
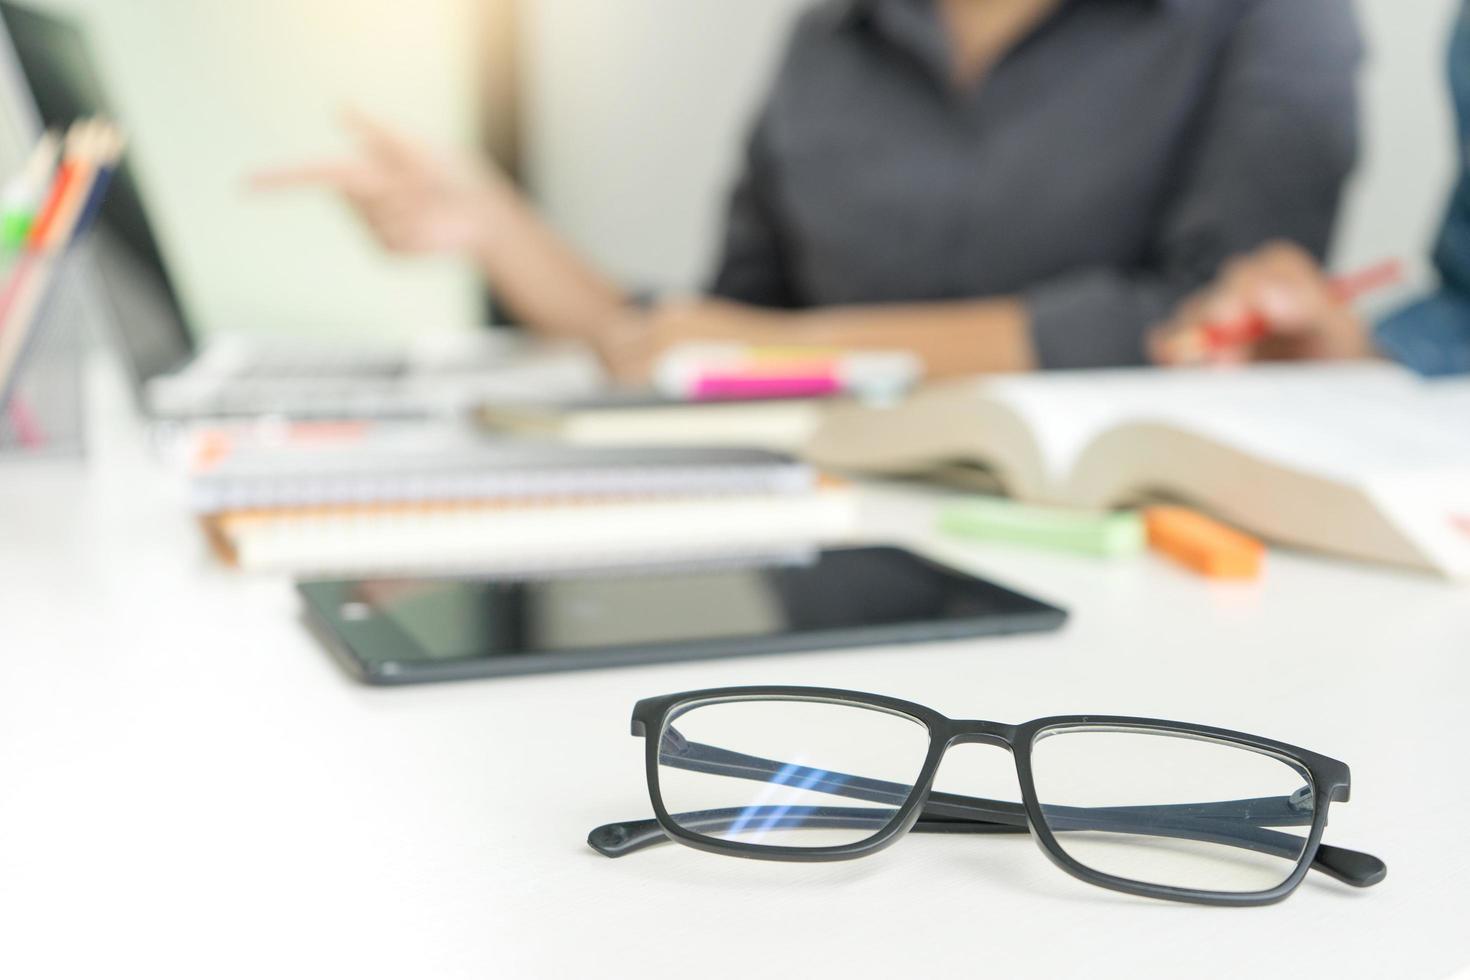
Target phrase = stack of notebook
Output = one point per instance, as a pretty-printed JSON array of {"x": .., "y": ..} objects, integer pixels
[{"x": 392, "y": 505}]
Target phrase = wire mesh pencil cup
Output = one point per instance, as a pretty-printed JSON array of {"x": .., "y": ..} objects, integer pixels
[{"x": 43, "y": 412}]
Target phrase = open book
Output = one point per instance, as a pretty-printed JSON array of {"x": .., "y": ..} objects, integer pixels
[{"x": 1363, "y": 460}]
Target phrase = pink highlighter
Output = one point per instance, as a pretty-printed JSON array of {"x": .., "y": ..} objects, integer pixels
[
  {"x": 735, "y": 372},
  {"x": 746, "y": 387}
]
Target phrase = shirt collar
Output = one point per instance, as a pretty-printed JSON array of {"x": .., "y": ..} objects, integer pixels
[
  {"x": 914, "y": 27},
  {"x": 860, "y": 12}
]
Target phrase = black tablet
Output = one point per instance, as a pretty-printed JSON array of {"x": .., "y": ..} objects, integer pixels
[{"x": 398, "y": 631}]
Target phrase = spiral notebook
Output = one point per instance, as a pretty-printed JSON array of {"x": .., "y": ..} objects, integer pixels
[
  {"x": 529, "y": 535},
  {"x": 403, "y": 468},
  {"x": 400, "y": 501}
]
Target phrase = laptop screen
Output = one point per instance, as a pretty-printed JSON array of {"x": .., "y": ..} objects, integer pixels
[{"x": 64, "y": 83}]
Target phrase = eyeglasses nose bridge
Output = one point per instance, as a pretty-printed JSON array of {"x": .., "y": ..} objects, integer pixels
[{"x": 982, "y": 733}]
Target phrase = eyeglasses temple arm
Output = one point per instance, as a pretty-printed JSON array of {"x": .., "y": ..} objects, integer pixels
[{"x": 618, "y": 839}]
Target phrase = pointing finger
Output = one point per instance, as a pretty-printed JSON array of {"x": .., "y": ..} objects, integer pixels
[{"x": 381, "y": 140}]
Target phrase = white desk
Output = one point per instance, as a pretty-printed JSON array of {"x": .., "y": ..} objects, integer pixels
[{"x": 189, "y": 787}]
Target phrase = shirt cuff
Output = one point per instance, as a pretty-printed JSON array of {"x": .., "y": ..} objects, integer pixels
[{"x": 1093, "y": 320}]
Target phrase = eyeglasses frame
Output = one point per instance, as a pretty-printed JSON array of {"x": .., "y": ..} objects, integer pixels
[{"x": 1330, "y": 782}]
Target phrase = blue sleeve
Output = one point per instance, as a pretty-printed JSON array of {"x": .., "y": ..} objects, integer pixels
[{"x": 1432, "y": 336}]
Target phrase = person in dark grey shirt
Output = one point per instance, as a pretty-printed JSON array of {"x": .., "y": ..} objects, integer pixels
[
  {"x": 994, "y": 184},
  {"x": 1302, "y": 315}
]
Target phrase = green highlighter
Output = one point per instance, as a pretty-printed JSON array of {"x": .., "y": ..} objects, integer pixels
[
  {"x": 15, "y": 228},
  {"x": 1078, "y": 531}
]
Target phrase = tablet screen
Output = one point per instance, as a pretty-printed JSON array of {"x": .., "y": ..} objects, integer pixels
[{"x": 427, "y": 620}]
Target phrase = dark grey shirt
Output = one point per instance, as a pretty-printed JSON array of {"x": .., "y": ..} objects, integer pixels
[{"x": 1106, "y": 167}]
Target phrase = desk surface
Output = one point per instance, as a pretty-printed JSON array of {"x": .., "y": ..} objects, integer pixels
[{"x": 189, "y": 784}]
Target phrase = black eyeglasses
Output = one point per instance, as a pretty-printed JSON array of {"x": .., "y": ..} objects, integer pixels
[{"x": 1153, "y": 808}]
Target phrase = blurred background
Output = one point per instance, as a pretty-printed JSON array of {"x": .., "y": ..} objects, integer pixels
[{"x": 624, "y": 117}]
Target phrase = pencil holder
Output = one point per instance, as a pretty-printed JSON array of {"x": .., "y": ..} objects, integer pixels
[{"x": 43, "y": 412}]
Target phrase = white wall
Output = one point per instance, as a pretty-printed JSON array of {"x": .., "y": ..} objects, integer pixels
[
  {"x": 639, "y": 107},
  {"x": 637, "y": 113},
  {"x": 212, "y": 89},
  {"x": 1409, "y": 159}
]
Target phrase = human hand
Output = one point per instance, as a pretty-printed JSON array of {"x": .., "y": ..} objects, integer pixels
[
  {"x": 411, "y": 199},
  {"x": 631, "y": 344},
  {"x": 1274, "y": 304}
]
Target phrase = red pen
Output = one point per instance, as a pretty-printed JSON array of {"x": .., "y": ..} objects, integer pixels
[{"x": 1345, "y": 289}]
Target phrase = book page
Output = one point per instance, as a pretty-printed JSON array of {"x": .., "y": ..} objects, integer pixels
[
  {"x": 1339, "y": 428},
  {"x": 1351, "y": 423}
]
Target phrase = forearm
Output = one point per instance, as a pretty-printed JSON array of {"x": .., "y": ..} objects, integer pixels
[
  {"x": 951, "y": 338},
  {"x": 540, "y": 278}
]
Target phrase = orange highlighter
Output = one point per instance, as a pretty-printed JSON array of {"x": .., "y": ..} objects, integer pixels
[
  {"x": 1252, "y": 327},
  {"x": 1203, "y": 544}
]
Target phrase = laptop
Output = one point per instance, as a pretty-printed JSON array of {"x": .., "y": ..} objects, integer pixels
[{"x": 52, "y": 80}]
